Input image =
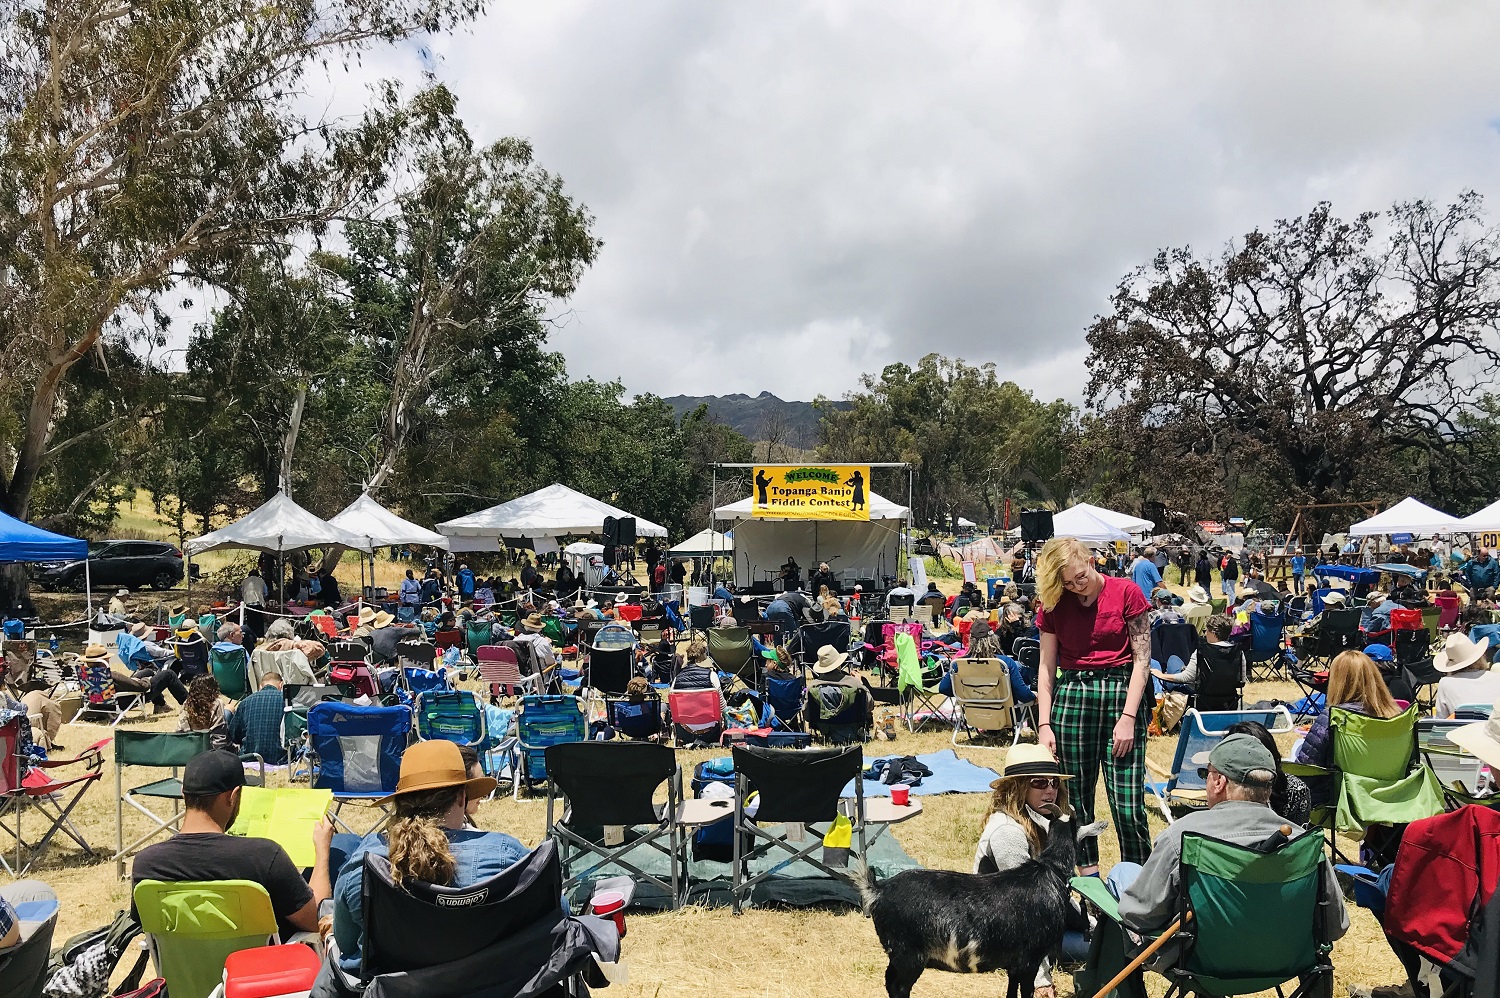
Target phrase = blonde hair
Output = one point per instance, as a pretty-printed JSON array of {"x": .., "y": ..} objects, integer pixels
[
  {"x": 1010, "y": 798},
  {"x": 1353, "y": 677},
  {"x": 419, "y": 847},
  {"x": 1057, "y": 554}
]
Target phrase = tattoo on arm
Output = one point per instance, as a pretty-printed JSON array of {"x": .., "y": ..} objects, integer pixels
[{"x": 1140, "y": 636}]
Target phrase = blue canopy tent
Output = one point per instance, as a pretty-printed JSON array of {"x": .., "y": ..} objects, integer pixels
[
  {"x": 1361, "y": 579},
  {"x": 21, "y": 542}
]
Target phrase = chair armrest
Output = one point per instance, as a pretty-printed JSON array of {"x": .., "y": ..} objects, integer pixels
[
  {"x": 1303, "y": 769},
  {"x": 1093, "y": 890}
]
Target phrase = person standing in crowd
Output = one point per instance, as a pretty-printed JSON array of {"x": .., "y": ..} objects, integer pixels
[
  {"x": 1229, "y": 575},
  {"x": 678, "y": 573},
  {"x": 1097, "y": 631},
  {"x": 1203, "y": 572},
  {"x": 824, "y": 577},
  {"x": 466, "y": 583},
  {"x": 1144, "y": 573},
  {"x": 411, "y": 590},
  {"x": 1299, "y": 572}
]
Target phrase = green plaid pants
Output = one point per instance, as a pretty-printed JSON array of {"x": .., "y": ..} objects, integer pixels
[{"x": 1085, "y": 708}]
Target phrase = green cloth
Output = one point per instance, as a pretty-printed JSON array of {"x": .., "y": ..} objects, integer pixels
[{"x": 1377, "y": 782}]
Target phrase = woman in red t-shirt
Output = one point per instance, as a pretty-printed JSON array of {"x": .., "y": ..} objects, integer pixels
[{"x": 1096, "y": 655}]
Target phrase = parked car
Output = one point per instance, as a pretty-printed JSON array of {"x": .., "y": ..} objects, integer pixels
[{"x": 128, "y": 564}]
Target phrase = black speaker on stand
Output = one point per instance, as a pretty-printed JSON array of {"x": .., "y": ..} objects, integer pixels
[{"x": 1036, "y": 525}]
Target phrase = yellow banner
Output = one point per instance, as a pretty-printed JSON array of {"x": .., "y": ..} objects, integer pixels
[{"x": 812, "y": 492}]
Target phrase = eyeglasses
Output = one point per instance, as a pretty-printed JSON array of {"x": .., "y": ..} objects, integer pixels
[
  {"x": 1078, "y": 581},
  {"x": 1045, "y": 783}
]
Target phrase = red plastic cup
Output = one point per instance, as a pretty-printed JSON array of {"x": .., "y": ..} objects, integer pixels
[
  {"x": 610, "y": 904},
  {"x": 900, "y": 796}
]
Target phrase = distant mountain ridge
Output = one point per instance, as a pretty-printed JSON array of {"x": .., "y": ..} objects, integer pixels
[{"x": 759, "y": 417}]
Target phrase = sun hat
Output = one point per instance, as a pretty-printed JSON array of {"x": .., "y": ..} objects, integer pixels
[
  {"x": 1239, "y": 757},
  {"x": 366, "y": 615},
  {"x": 178, "y": 609},
  {"x": 1459, "y": 653},
  {"x": 122, "y": 592},
  {"x": 1199, "y": 595},
  {"x": 433, "y": 765},
  {"x": 95, "y": 653},
  {"x": 1335, "y": 598},
  {"x": 139, "y": 629},
  {"x": 1025, "y": 760},
  {"x": 533, "y": 623},
  {"x": 830, "y": 659},
  {"x": 382, "y": 619},
  {"x": 1375, "y": 598},
  {"x": 578, "y": 604}
]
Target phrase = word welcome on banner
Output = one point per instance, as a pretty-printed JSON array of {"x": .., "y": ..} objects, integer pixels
[{"x": 812, "y": 492}]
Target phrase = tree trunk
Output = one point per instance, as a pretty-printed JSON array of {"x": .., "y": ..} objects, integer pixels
[{"x": 289, "y": 442}]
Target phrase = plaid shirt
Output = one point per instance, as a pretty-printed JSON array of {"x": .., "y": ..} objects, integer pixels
[{"x": 256, "y": 725}]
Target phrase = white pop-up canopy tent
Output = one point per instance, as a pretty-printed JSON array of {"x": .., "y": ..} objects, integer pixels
[
  {"x": 277, "y": 527},
  {"x": 1487, "y": 519},
  {"x": 1126, "y": 522},
  {"x": 381, "y": 528},
  {"x": 1409, "y": 516},
  {"x": 854, "y": 549},
  {"x": 552, "y": 512},
  {"x": 703, "y": 544},
  {"x": 1082, "y": 524}
]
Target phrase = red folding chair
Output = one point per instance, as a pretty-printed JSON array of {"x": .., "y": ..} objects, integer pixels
[
  {"x": 499, "y": 668},
  {"x": 44, "y": 793},
  {"x": 327, "y": 625},
  {"x": 630, "y": 611},
  {"x": 696, "y": 710},
  {"x": 1448, "y": 605},
  {"x": 448, "y": 639}
]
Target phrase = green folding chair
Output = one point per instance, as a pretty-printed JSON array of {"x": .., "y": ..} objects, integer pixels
[
  {"x": 232, "y": 670},
  {"x": 195, "y": 925},
  {"x": 920, "y": 702},
  {"x": 1248, "y": 921},
  {"x": 156, "y": 750}
]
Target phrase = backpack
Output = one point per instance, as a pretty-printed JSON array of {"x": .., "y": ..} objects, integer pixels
[{"x": 81, "y": 966}]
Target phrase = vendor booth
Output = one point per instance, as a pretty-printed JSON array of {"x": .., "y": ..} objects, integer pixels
[
  {"x": 553, "y": 512},
  {"x": 1409, "y": 516}
]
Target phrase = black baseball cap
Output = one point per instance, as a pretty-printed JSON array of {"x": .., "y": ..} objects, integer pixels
[{"x": 214, "y": 772}]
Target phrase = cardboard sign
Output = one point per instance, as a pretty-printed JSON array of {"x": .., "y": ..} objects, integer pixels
[
  {"x": 969, "y": 571},
  {"x": 811, "y": 492}
]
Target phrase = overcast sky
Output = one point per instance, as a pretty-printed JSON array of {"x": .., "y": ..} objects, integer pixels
[{"x": 791, "y": 194}]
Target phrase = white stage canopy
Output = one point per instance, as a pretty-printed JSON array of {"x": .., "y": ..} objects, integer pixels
[
  {"x": 704, "y": 544},
  {"x": 1126, "y": 522},
  {"x": 1409, "y": 516},
  {"x": 854, "y": 549},
  {"x": 278, "y": 526},
  {"x": 555, "y": 511},
  {"x": 381, "y": 528},
  {"x": 1081, "y": 523},
  {"x": 1487, "y": 519}
]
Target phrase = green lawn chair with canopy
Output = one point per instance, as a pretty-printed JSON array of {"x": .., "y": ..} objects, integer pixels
[
  {"x": 195, "y": 925},
  {"x": 232, "y": 670},
  {"x": 1248, "y": 921}
]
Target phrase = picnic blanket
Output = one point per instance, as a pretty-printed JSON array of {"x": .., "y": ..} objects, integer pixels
[{"x": 950, "y": 775}]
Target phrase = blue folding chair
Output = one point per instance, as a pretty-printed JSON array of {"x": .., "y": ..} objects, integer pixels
[
  {"x": 451, "y": 715},
  {"x": 356, "y": 752},
  {"x": 544, "y": 720},
  {"x": 637, "y": 721},
  {"x": 787, "y": 698},
  {"x": 1199, "y": 733},
  {"x": 1267, "y": 646},
  {"x": 420, "y": 681}
]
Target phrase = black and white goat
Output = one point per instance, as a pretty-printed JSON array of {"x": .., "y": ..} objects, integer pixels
[{"x": 976, "y": 923}]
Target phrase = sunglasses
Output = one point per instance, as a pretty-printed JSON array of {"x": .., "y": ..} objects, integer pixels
[{"x": 1045, "y": 783}]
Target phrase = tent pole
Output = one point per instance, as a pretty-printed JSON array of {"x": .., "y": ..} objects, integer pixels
[{"x": 88, "y": 590}]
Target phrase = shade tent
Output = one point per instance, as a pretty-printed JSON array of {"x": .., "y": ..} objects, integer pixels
[
  {"x": 277, "y": 527},
  {"x": 381, "y": 528},
  {"x": 1487, "y": 519},
  {"x": 1126, "y": 522},
  {"x": 22, "y": 542},
  {"x": 1409, "y": 516},
  {"x": 556, "y": 511},
  {"x": 854, "y": 549},
  {"x": 704, "y": 543},
  {"x": 583, "y": 549},
  {"x": 1080, "y": 523}
]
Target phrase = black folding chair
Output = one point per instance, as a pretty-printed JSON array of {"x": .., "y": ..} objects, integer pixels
[
  {"x": 1338, "y": 630},
  {"x": 1423, "y": 679},
  {"x": 701, "y": 618},
  {"x": 612, "y": 784},
  {"x": 801, "y": 787},
  {"x": 1028, "y": 653},
  {"x": 1221, "y": 677},
  {"x": 811, "y": 637}
]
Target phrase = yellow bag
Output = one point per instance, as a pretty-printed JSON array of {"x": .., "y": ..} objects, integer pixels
[{"x": 838, "y": 841}]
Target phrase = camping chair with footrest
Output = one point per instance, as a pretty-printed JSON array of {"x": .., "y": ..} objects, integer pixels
[
  {"x": 156, "y": 750},
  {"x": 355, "y": 751},
  {"x": 195, "y": 925},
  {"x": 102, "y": 699}
]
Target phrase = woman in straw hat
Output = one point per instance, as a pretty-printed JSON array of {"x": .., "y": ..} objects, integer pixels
[
  {"x": 1096, "y": 656},
  {"x": 426, "y": 839},
  {"x": 1467, "y": 677},
  {"x": 1016, "y": 826}
]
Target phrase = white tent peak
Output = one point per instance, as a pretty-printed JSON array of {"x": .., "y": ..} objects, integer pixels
[
  {"x": 554, "y": 511},
  {"x": 1487, "y": 519},
  {"x": 1126, "y": 522},
  {"x": 364, "y": 517},
  {"x": 1084, "y": 525},
  {"x": 705, "y": 542},
  {"x": 1409, "y": 516},
  {"x": 279, "y": 525}
]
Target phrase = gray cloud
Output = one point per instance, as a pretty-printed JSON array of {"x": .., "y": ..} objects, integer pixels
[{"x": 792, "y": 194}]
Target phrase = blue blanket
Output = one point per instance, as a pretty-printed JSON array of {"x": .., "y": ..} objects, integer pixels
[{"x": 950, "y": 775}]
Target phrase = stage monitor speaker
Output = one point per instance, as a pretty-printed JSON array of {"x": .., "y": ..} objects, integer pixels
[
  {"x": 1036, "y": 525},
  {"x": 1156, "y": 512},
  {"x": 611, "y": 531},
  {"x": 625, "y": 531}
]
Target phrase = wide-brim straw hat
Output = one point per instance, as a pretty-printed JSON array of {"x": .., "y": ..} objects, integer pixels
[
  {"x": 1199, "y": 595},
  {"x": 1335, "y": 598},
  {"x": 1025, "y": 760},
  {"x": 1459, "y": 653},
  {"x": 139, "y": 630},
  {"x": 830, "y": 659},
  {"x": 435, "y": 765},
  {"x": 96, "y": 653},
  {"x": 367, "y": 615},
  {"x": 1482, "y": 738},
  {"x": 122, "y": 593},
  {"x": 382, "y": 619},
  {"x": 533, "y": 623}
]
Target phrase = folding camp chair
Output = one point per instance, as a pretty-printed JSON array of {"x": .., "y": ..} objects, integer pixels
[
  {"x": 1250, "y": 920},
  {"x": 356, "y": 752},
  {"x": 156, "y": 750},
  {"x": 982, "y": 697},
  {"x": 443, "y": 640},
  {"x": 478, "y": 632},
  {"x": 1028, "y": 652},
  {"x": 937, "y": 607},
  {"x": 1338, "y": 630},
  {"x": 811, "y": 637},
  {"x": 419, "y": 681},
  {"x": 787, "y": 696},
  {"x": 46, "y": 794},
  {"x": 611, "y": 659},
  {"x": 1221, "y": 678},
  {"x": 1266, "y": 656},
  {"x": 701, "y": 618},
  {"x": 1170, "y": 641},
  {"x": 413, "y": 653},
  {"x": 639, "y": 721},
  {"x": 1423, "y": 679},
  {"x": 326, "y": 625},
  {"x": 1448, "y": 606},
  {"x": 732, "y": 651},
  {"x": 500, "y": 670},
  {"x": 544, "y": 721},
  {"x": 697, "y": 716},
  {"x": 231, "y": 669},
  {"x": 101, "y": 699},
  {"x": 611, "y": 786},
  {"x": 26, "y": 969},
  {"x": 1200, "y": 731},
  {"x": 451, "y": 715},
  {"x": 919, "y": 701},
  {"x": 195, "y": 925},
  {"x": 796, "y": 787}
]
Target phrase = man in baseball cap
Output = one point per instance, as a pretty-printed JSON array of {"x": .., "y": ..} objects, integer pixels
[
  {"x": 1238, "y": 776},
  {"x": 211, "y": 788}
]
